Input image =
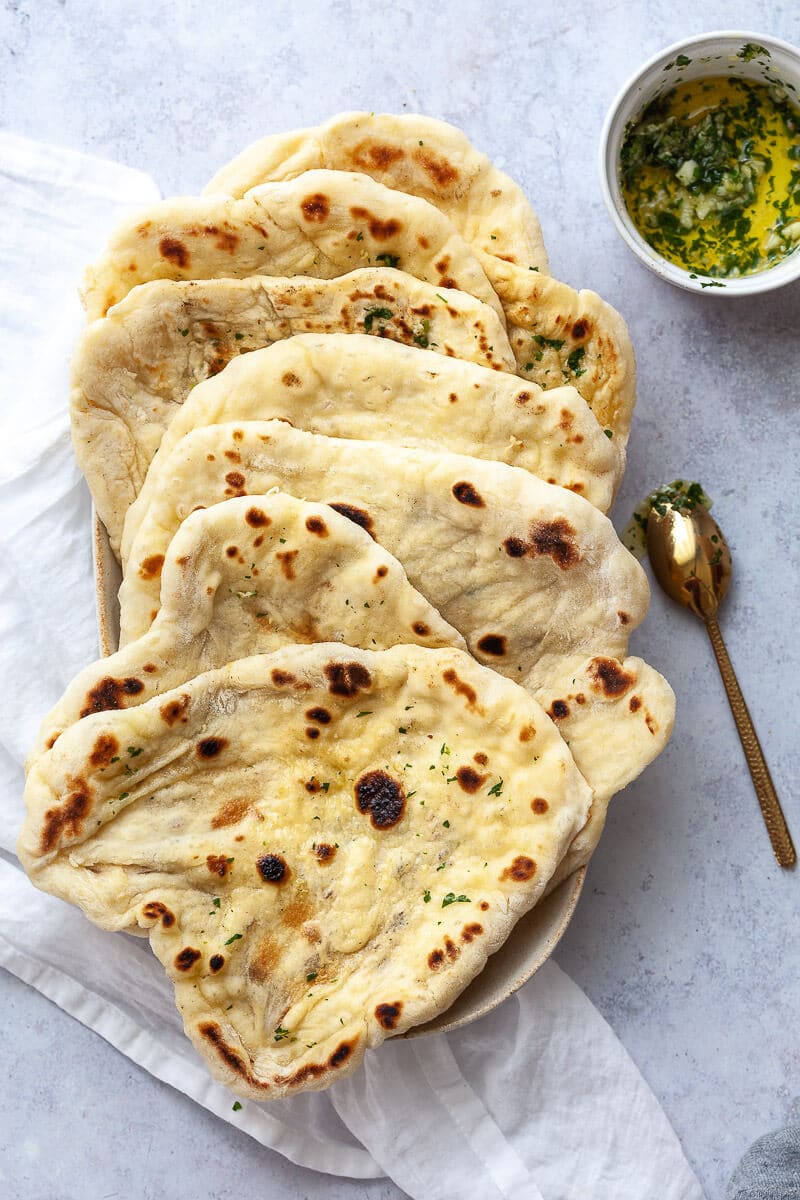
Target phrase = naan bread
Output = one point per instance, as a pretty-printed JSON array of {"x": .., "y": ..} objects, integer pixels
[
  {"x": 354, "y": 386},
  {"x": 323, "y": 224},
  {"x": 247, "y": 577},
  {"x": 134, "y": 368},
  {"x": 324, "y": 848},
  {"x": 559, "y": 336},
  {"x": 412, "y": 154},
  {"x": 531, "y": 575}
]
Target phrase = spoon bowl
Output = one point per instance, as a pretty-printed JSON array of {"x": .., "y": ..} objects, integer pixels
[{"x": 690, "y": 557}]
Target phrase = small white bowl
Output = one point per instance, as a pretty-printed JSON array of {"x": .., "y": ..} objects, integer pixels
[{"x": 708, "y": 54}]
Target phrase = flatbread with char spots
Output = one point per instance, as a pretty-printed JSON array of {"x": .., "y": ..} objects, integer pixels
[
  {"x": 324, "y": 224},
  {"x": 558, "y": 335},
  {"x": 324, "y": 849},
  {"x": 413, "y": 154},
  {"x": 354, "y": 386},
  {"x": 532, "y": 576},
  {"x": 247, "y": 577},
  {"x": 134, "y": 368}
]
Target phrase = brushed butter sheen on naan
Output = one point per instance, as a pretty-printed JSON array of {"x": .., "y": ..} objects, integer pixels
[
  {"x": 134, "y": 368},
  {"x": 410, "y": 153},
  {"x": 355, "y": 386},
  {"x": 247, "y": 577},
  {"x": 324, "y": 848},
  {"x": 323, "y": 224},
  {"x": 532, "y": 576}
]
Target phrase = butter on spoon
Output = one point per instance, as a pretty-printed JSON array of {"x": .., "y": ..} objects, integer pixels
[{"x": 692, "y": 562}]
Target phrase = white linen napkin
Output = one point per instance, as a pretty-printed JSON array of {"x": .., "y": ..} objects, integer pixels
[{"x": 539, "y": 1099}]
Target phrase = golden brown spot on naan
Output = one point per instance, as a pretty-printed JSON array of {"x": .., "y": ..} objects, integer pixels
[
  {"x": 186, "y": 958},
  {"x": 150, "y": 568},
  {"x": 609, "y": 677},
  {"x": 381, "y": 231},
  {"x": 442, "y": 172},
  {"x": 211, "y": 747},
  {"x": 67, "y": 819},
  {"x": 282, "y": 678},
  {"x": 231, "y": 813},
  {"x": 104, "y": 749},
  {"x": 315, "y": 207},
  {"x": 174, "y": 251},
  {"x": 492, "y": 643},
  {"x": 217, "y": 864},
  {"x": 175, "y": 710},
  {"x": 554, "y": 539},
  {"x": 373, "y": 154},
  {"x": 286, "y": 559},
  {"x": 155, "y": 911},
  {"x": 297, "y": 912},
  {"x": 263, "y": 960},
  {"x": 109, "y": 693},
  {"x": 347, "y": 679},
  {"x": 257, "y": 518},
  {"x": 466, "y": 493},
  {"x": 272, "y": 868},
  {"x": 469, "y": 779},
  {"x": 236, "y": 481},
  {"x": 387, "y": 1015},
  {"x": 382, "y": 797},
  {"x": 521, "y": 870},
  {"x": 458, "y": 685},
  {"x": 341, "y": 1054},
  {"x": 316, "y": 525},
  {"x": 451, "y": 949},
  {"x": 357, "y": 515}
]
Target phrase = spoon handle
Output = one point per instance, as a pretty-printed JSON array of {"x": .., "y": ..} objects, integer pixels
[{"x": 762, "y": 781}]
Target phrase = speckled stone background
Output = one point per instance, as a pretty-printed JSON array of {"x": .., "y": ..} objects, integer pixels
[{"x": 686, "y": 936}]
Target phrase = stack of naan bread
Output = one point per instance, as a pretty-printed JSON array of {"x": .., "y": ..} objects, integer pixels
[{"x": 354, "y": 447}]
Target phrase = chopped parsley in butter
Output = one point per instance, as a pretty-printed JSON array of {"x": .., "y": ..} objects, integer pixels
[{"x": 710, "y": 175}]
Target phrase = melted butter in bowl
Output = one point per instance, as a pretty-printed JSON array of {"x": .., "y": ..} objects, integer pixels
[
  {"x": 700, "y": 163},
  {"x": 710, "y": 174}
]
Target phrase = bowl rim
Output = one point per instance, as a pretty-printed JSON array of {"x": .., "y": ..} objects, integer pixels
[{"x": 782, "y": 273}]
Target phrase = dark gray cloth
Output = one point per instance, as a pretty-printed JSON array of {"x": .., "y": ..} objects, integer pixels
[{"x": 770, "y": 1170}]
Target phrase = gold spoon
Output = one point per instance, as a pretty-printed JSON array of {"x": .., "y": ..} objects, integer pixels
[{"x": 692, "y": 562}]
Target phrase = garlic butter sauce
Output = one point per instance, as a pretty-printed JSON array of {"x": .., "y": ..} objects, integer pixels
[{"x": 710, "y": 174}]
